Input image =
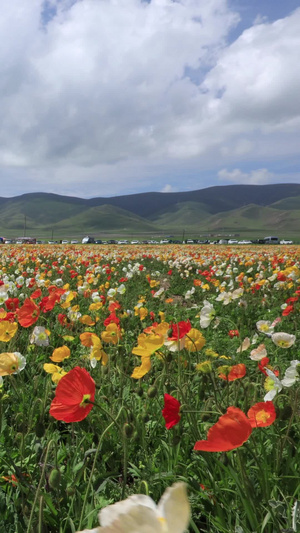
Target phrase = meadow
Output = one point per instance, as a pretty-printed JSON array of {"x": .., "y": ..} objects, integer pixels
[{"x": 131, "y": 370}]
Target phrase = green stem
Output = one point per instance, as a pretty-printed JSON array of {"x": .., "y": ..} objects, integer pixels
[
  {"x": 94, "y": 463},
  {"x": 29, "y": 528}
]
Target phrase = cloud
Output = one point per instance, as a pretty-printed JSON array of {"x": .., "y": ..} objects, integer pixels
[
  {"x": 168, "y": 188},
  {"x": 256, "y": 177},
  {"x": 115, "y": 97}
]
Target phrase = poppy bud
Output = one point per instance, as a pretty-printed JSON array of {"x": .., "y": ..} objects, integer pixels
[
  {"x": 152, "y": 392},
  {"x": 54, "y": 478},
  {"x": 70, "y": 491},
  {"x": 105, "y": 369},
  {"x": 128, "y": 430},
  {"x": 140, "y": 391}
]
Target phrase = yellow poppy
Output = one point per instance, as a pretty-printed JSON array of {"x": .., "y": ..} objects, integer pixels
[
  {"x": 112, "y": 334},
  {"x": 7, "y": 330},
  {"x": 60, "y": 354}
]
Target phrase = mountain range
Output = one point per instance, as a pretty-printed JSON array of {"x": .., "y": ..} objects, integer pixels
[{"x": 230, "y": 209}]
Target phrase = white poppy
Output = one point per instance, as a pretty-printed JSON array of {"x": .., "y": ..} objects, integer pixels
[
  {"x": 139, "y": 514},
  {"x": 283, "y": 340}
]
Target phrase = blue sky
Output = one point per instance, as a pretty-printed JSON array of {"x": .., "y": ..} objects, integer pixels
[{"x": 112, "y": 97}]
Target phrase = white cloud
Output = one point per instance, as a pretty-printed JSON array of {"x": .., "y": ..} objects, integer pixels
[
  {"x": 167, "y": 188},
  {"x": 106, "y": 93},
  {"x": 256, "y": 177}
]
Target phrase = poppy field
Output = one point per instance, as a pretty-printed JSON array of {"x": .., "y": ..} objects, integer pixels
[{"x": 170, "y": 372}]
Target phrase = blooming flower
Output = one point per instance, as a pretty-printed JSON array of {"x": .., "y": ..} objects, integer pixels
[
  {"x": 283, "y": 340},
  {"x": 56, "y": 371},
  {"x": 170, "y": 411},
  {"x": 258, "y": 353},
  {"x": 7, "y": 330},
  {"x": 272, "y": 385},
  {"x": 207, "y": 314},
  {"x": 231, "y": 373},
  {"x": 40, "y": 336},
  {"x": 194, "y": 340},
  {"x": 11, "y": 363},
  {"x": 28, "y": 314},
  {"x": 265, "y": 326},
  {"x": 147, "y": 345},
  {"x": 292, "y": 374},
  {"x": 262, "y": 414},
  {"x": 139, "y": 514},
  {"x": 61, "y": 353},
  {"x": 111, "y": 334},
  {"x": 230, "y": 432},
  {"x": 73, "y": 395}
]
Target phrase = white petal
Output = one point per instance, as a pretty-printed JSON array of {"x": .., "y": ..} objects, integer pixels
[
  {"x": 139, "y": 519},
  {"x": 109, "y": 514},
  {"x": 175, "y": 508}
]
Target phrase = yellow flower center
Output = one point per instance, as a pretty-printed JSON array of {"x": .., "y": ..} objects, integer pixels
[{"x": 85, "y": 400}]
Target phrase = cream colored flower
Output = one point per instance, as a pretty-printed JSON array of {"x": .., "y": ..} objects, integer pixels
[
  {"x": 139, "y": 514},
  {"x": 283, "y": 340}
]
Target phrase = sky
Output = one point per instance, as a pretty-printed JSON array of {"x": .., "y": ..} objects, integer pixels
[{"x": 104, "y": 98}]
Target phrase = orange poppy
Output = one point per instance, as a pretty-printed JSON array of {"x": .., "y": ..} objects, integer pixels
[
  {"x": 262, "y": 414},
  {"x": 231, "y": 373},
  {"x": 230, "y": 432},
  {"x": 28, "y": 314}
]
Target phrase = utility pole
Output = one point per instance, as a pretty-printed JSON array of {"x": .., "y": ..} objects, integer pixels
[{"x": 24, "y": 225}]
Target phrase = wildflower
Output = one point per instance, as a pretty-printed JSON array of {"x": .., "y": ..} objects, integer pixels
[
  {"x": 139, "y": 514},
  {"x": 272, "y": 385},
  {"x": 11, "y": 363},
  {"x": 7, "y": 330},
  {"x": 60, "y": 354},
  {"x": 73, "y": 395},
  {"x": 266, "y": 327},
  {"x": 40, "y": 336},
  {"x": 56, "y": 371},
  {"x": 147, "y": 345},
  {"x": 230, "y": 432},
  {"x": 262, "y": 414},
  {"x": 170, "y": 411},
  {"x": 205, "y": 367},
  {"x": 283, "y": 340},
  {"x": 244, "y": 346},
  {"x": 233, "y": 333},
  {"x": 112, "y": 334},
  {"x": 28, "y": 314},
  {"x": 292, "y": 374},
  {"x": 258, "y": 353},
  {"x": 231, "y": 373},
  {"x": 194, "y": 340},
  {"x": 207, "y": 314}
]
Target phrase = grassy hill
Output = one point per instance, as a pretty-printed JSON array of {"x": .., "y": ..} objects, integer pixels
[{"x": 226, "y": 209}]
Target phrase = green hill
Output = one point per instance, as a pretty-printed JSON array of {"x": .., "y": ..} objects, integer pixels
[
  {"x": 264, "y": 209},
  {"x": 105, "y": 218}
]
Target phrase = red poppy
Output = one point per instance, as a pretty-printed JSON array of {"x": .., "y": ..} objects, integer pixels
[
  {"x": 289, "y": 309},
  {"x": 262, "y": 414},
  {"x": 112, "y": 318},
  {"x": 233, "y": 333},
  {"x": 235, "y": 372},
  {"x": 170, "y": 411},
  {"x": 73, "y": 393},
  {"x": 264, "y": 363},
  {"x": 230, "y": 432},
  {"x": 180, "y": 330},
  {"x": 28, "y": 314},
  {"x": 12, "y": 304}
]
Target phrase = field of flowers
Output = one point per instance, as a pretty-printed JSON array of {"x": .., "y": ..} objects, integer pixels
[{"x": 148, "y": 371}]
